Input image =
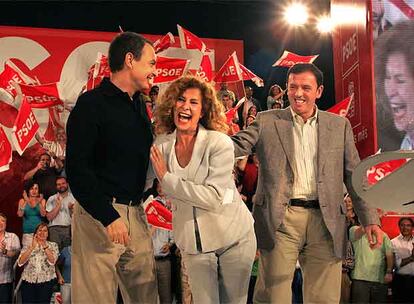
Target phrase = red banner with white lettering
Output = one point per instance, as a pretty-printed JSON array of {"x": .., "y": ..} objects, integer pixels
[
  {"x": 206, "y": 70},
  {"x": 7, "y": 77},
  {"x": 289, "y": 59},
  {"x": 342, "y": 107},
  {"x": 5, "y": 151},
  {"x": 190, "y": 41},
  {"x": 381, "y": 170},
  {"x": 170, "y": 69},
  {"x": 25, "y": 127},
  {"x": 230, "y": 71},
  {"x": 158, "y": 215},
  {"x": 42, "y": 96},
  {"x": 164, "y": 42}
]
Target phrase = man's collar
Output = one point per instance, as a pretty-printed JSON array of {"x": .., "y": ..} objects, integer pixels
[
  {"x": 403, "y": 237},
  {"x": 297, "y": 118},
  {"x": 109, "y": 89}
]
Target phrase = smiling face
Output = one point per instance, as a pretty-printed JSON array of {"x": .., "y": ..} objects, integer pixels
[
  {"x": 34, "y": 190},
  {"x": 406, "y": 228},
  {"x": 142, "y": 71},
  {"x": 399, "y": 84},
  {"x": 188, "y": 110},
  {"x": 42, "y": 233},
  {"x": 302, "y": 92}
]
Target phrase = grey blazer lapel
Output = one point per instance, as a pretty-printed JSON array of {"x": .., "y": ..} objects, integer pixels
[
  {"x": 324, "y": 129},
  {"x": 284, "y": 128}
]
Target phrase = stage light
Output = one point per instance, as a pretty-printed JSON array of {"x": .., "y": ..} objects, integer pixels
[
  {"x": 296, "y": 14},
  {"x": 325, "y": 24}
]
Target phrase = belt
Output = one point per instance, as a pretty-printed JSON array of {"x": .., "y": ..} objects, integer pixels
[
  {"x": 159, "y": 258},
  {"x": 312, "y": 204},
  {"x": 125, "y": 202}
]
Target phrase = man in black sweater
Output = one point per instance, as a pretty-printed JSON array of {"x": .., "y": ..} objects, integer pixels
[{"x": 109, "y": 138}]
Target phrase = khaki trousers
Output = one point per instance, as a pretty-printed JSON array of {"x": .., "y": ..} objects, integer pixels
[
  {"x": 99, "y": 266},
  {"x": 303, "y": 234},
  {"x": 222, "y": 276}
]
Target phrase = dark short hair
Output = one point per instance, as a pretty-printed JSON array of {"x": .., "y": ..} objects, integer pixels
[
  {"x": 126, "y": 42},
  {"x": 60, "y": 177},
  {"x": 406, "y": 219},
  {"x": 44, "y": 153},
  {"x": 29, "y": 184},
  {"x": 3, "y": 216},
  {"x": 306, "y": 67}
]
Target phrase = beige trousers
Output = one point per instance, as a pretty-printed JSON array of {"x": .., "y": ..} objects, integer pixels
[
  {"x": 303, "y": 235},
  {"x": 99, "y": 266}
]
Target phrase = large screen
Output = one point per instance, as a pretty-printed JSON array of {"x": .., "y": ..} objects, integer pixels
[{"x": 394, "y": 73}]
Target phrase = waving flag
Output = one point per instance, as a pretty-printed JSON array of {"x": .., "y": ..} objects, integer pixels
[
  {"x": 157, "y": 214},
  {"x": 7, "y": 77},
  {"x": 190, "y": 41},
  {"x": 25, "y": 127},
  {"x": 230, "y": 71},
  {"x": 342, "y": 107},
  {"x": 164, "y": 42},
  {"x": 170, "y": 69},
  {"x": 289, "y": 59},
  {"x": 5, "y": 151},
  {"x": 42, "y": 96},
  {"x": 206, "y": 70},
  {"x": 98, "y": 71},
  {"x": 398, "y": 10},
  {"x": 249, "y": 75}
]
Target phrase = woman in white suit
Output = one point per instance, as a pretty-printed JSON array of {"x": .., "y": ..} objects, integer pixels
[{"x": 193, "y": 159}]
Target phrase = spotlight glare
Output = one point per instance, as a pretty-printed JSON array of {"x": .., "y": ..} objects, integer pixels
[
  {"x": 325, "y": 24},
  {"x": 296, "y": 14}
]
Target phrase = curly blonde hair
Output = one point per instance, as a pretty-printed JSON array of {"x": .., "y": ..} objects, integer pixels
[{"x": 212, "y": 109}]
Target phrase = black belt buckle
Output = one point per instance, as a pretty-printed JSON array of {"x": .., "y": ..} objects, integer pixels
[{"x": 312, "y": 204}]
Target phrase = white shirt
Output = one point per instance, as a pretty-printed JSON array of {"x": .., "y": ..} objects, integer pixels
[
  {"x": 403, "y": 249},
  {"x": 305, "y": 157},
  {"x": 38, "y": 268},
  {"x": 406, "y": 144},
  {"x": 63, "y": 217},
  {"x": 6, "y": 263}
]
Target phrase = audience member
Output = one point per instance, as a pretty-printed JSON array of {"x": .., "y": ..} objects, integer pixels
[
  {"x": 57, "y": 148},
  {"x": 9, "y": 248},
  {"x": 250, "y": 101},
  {"x": 373, "y": 268},
  {"x": 225, "y": 90},
  {"x": 403, "y": 246},
  {"x": 44, "y": 175},
  {"x": 39, "y": 275},
  {"x": 59, "y": 213},
  {"x": 231, "y": 114},
  {"x": 64, "y": 277},
  {"x": 162, "y": 241},
  {"x": 275, "y": 96},
  {"x": 31, "y": 209}
]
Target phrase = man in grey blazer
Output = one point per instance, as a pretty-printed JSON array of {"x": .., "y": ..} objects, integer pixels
[{"x": 305, "y": 156}]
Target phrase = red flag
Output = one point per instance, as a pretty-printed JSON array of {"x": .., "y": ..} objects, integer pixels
[
  {"x": 42, "y": 96},
  {"x": 5, "y": 151},
  {"x": 164, "y": 42},
  {"x": 233, "y": 111},
  {"x": 342, "y": 107},
  {"x": 98, "y": 71},
  {"x": 381, "y": 170},
  {"x": 230, "y": 71},
  {"x": 25, "y": 127},
  {"x": 206, "y": 70},
  {"x": 190, "y": 41},
  {"x": 249, "y": 75},
  {"x": 289, "y": 59},
  {"x": 8, "y": 76},
  {"x": 170, "y": 69},
  {"x": 158, "y": 215}
]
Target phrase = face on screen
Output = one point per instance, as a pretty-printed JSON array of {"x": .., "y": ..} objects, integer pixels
[{"x": 399, "y": 85}]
